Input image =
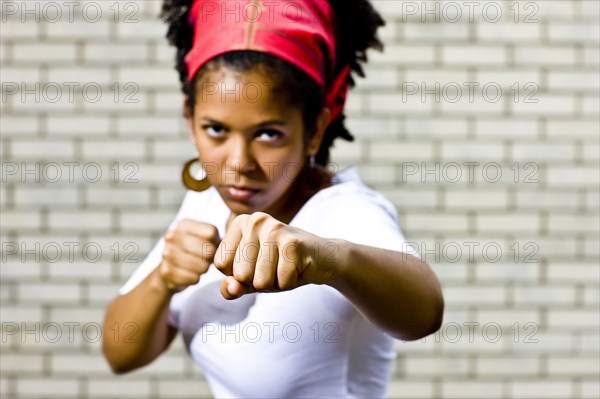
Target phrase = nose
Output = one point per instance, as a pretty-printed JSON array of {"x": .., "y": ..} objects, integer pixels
[{"x": 240, "y": 160}]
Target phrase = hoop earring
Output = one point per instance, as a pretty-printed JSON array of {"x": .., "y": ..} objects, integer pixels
[
  {"x": 188, "y": 180},
  {"x": 311, "y": 161}
]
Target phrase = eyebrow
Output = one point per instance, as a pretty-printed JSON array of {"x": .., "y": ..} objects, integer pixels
[{"x": 259, "y": 125}]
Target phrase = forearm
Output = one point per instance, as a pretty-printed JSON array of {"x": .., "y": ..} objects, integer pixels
[
  {"x": 135, "y": 326},
  {"x": 395, "y": 291}
]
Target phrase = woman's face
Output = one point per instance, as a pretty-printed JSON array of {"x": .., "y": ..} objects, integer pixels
[{"x": 250, "y": 144}]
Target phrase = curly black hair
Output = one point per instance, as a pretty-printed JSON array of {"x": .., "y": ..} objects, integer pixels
[{"x": 358, "y": 23}]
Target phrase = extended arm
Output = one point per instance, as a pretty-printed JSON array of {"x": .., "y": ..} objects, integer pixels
[{"x": 394, "y": 290}]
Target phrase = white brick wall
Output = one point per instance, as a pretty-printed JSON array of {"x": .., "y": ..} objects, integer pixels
[{"x": 523, "y": 325}]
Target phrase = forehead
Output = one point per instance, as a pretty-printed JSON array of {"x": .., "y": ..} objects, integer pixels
[{"x": 254, "y": 91}]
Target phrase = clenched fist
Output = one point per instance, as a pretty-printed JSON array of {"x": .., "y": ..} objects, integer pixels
[
  {"x": 189, "y": 251},
  {"x": 260, "y": 253}
]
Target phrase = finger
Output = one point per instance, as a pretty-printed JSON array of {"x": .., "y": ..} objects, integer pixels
[
  {"x": 266, "y": 266},
  {"x": 246, "y": 257},
  {"x": 289, "y": 258},
  {"x": 182, "y": 259},
  {"x": 226, "y": 251},
  {"x": 233, "y": 289},
  {"x": 197, "y": 247},
  {"x": 204, "y": 231},
  {"x": 177, "y": 278}
]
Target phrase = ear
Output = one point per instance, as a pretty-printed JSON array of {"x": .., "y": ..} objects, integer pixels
[
  {"x": 188, "y": 115},
  {"x": 321, "y": 128}
]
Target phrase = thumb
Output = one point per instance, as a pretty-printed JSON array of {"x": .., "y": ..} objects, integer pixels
[{"x": 233, "y": 289}]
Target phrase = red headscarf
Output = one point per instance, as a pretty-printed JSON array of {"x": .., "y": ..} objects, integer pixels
[{"x": 301, "y": 32}]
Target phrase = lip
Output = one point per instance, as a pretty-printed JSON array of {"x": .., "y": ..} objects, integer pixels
[{"x": 240, "y": 193}]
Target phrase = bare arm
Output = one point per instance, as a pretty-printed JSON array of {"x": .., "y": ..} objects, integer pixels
[
  {"x": 395, "y": 291},
  {"x": 145, "y": 310}
]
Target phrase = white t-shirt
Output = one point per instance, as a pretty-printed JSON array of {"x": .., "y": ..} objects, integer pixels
[{"x": 308, "y": 342}]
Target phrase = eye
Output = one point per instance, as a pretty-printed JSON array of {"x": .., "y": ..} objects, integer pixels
[
  {"x": 214, "y": 130},
  {"x": 269, "y": 135}
]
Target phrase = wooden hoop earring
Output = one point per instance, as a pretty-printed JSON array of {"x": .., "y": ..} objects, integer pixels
[{"x": 188, "y": 180}]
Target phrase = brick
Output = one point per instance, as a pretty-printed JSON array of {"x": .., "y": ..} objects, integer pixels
[
  {"x": 183, "y": 388},
  {"x": 410, "y": 389},
  {"x": 370, "y": 128},
  {"x": 507, "y": 317},
  {"x": 556, "y": 388},
  {"x": 135, "y": 221},
  {"x": 573, "y": 223},
  {"x": 508, "y": 32},
  {"x": 515, "y": 83},
  {"x": 378, "y": 78},
  {"x": 386, "y": 104},
  {"x": 472, "y": 389},
  {"x": 18, "y": 125},
  {"x": 123, "y": 196},
  {"x": 403, "y": 54},
  {"x": 148, "y": 125},
  {"x": 434, "y": 126},
  {"x": 544, "y": 55},
  {"x": 22, "y": 364},
  {"x": 561, "y": 32},
  {"x": 21, "y": 220},
  {"x": 430, "y": 76},
  {"x": 572, "y": 319},
  {"x": 479, "y": 100},
  {"x": 507, "y": 221},
  {"x": 420, "y": 221},
  {"x": 530, "y": 339},
  {"x": 58, "y": 196},
  {"x": 550, "y": 200},
  {"x": 13, "y": 268},
  {"x": 508, "y": 367},
  {"x": 474, "y": 54},
  {"x": 80, "y": 220},
  {"x": 125, "y": 150},
  {"x": 486, "y": 295},
  {"x": 591, "y": 106},
  {"x": 51, "y": 387},
  {"x": 394, "y": 151},
  {"x": 81, "y": 77},
  {"x": 74, "y": 125},
  {"x": 570, "y": 176},
  {"x": 591, "y": 153},
  {"x": 346, "y": 151},
  {"x": 457, "y": 199},
  {"x": 80, "y": 270},
  {"x": 527, "y": 296},
  {"x": 424, "y": 32},
  {"x": 545, "y": 248},
  {"x": 591, "y": 296},
  {"x": 543, "y": 152},
  {"x": 591, "y": 56},
  {"x": 15, "y": 28},
  {"x": 81, "y": 28},
  {"x": 81, "y": 315},
  {"x": 441, "y": 366},
  {"x": 580, "y": 80},
  {"x": 590, "y": 389},
  {"x": 114, "y": 53},
  {"x": 46, "y": 53},
  {"x": 20, "y": 75},
  {"x": 507, "y": 272},
  {"x": 20, "y": 314},
  {"x": 128, "y": 99},
  {"x": 144, "y": 29},
  {"x": 87, "y": 364},
  {"x": 145, "y": 76},
  {"x": 542, "y": 104},
  {"x": 469, "y": 152},
  {"x": 450, "y": 272},
  {"x": 576, "y": 366},
  {"x": 121, "y": 388},
  {"x": 413, "y": 198},
  {"x": 572, "y": 272},
  {"x": 39, "y": 293}
]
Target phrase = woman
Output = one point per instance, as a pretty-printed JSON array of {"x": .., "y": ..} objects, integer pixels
[{"x": 285, "y": 280}]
